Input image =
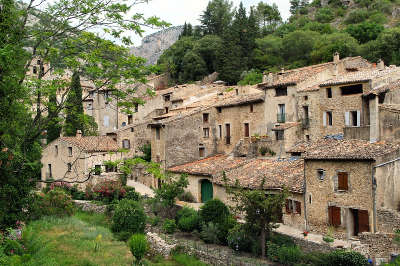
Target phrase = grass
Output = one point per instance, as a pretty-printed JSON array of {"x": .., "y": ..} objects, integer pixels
[{"x": 72, "y": 240}]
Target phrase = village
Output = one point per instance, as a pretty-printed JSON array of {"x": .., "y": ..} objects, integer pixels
[{"x": 328, "y": 133}]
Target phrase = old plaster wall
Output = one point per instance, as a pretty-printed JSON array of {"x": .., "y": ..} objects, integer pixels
[
  {"x": 389, "y": 124},
  {"x": 388, "y": 186}
]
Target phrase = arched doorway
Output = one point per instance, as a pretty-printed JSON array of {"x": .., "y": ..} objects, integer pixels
[{"x": 206, "y": 190}]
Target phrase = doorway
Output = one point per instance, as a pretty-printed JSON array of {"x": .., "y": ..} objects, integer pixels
[
  {"x": 360, "y": 221},
  {"x": 206, "y": 190}
]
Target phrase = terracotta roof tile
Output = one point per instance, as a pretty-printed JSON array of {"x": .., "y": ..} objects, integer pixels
[
  {"x": 395, "y": 85},
  {"x": 276, "y": 175},
  {"x": 93, "y": 143},
  {"x": 240, "y": 100},
  {"x": 209, "y": 166}
]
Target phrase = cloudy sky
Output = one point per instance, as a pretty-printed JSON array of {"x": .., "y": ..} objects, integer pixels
[{"x": 177, "y": 12}]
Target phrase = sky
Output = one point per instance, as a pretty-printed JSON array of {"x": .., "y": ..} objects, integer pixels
[{"x": 177, "y": 12}]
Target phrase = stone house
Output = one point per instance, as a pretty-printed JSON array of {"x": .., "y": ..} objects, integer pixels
[
  {"x": 350, "y": 185},
  {"x": 206, "y": 181},
  {"x": 75, "y": 159}
]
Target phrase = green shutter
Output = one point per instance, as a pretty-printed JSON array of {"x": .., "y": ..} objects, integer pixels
[{"x": 206, "y": 190}]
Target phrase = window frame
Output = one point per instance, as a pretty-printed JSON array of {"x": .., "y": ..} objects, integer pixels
[{"x": 206, "y": 132}]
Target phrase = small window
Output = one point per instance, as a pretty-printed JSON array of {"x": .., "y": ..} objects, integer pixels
[
  {"x": 354, "y": 118},
  {"x": 158, "y": 133},
  {"x": 130, "y": 119},
  {"x": 126, "y": 144},
  {"x": 91, "y": 94},
  {"x": 343, "y": 181},
  {"x": 305, "y": 98},
  {"x": 206, "y": 132},
  {"x": 246, "y": 130},
  {"x": 136, "y": 107},
  {"x": 329, "y": 118},
  {"x": 167, "y": 98},
  {"x": 34, "y": 70},
  {"x": 307, "y": 137},
  {"x": 69, "y": 165},
  {"x": 42, "y": 69},
  {"x": 351, "y": 90},
  {"x": 97, "y": 169},
  {"x": 321, "y": 174},
  {"x": 38, "y": 62},
  {"x": 132, "y": 130},
  {"x": 281, "y": 91},
  {"x": 106, "y": 121},
  {"x": 69, "y": 151},
  {"x": 251, "y": 108},
  {"x": 310, "y": 198},
  {"x": 50, "y": 173},
  {"x": 205, "y": 118},
  {"x": 293, "y": 206},
  {"x": 56, "y": 150},
  {"x": 109, "y": 168},
  {"x": 123, "y": 124},
  {"x": 279, "y": 134},
  {"x": 329, "y": 92},
  {"x": 202, "y": 152},
  {"x": 237, "y": 92},
  {"x": 220, "y": 131},
  {"x": 219, "y": 110},
  {"x": 90, "y": 107}
]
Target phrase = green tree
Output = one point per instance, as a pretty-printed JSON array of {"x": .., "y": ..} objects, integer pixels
[
  {"x": 268, "y": 53},
  {"x": 208, "y": 48},
  {"x": 54, "y": 126},
  {"x": 217, "y": 17},
  {"x": 170, "y": 189},
  {"x": 194, "y": 67},
  {"x": 268, "y": 16},
  {"x": 298, "y": 45},
  {"x": 74, "y": 107},
  {"x": 389, "y": 46},
  {"x": 365, "y": 32}
]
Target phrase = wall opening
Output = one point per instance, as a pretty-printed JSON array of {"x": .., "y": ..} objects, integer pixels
[{"x": 350, "y": 90}]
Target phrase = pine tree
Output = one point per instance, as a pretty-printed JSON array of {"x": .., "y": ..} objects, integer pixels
[
  {"x": 217, "y": 17},
  {"x": 74, "y": 107}
]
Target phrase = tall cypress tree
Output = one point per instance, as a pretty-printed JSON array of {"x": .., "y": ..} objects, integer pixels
[
  {"x": 74, "y": 107},
  {"x": 54, "y": 126}
]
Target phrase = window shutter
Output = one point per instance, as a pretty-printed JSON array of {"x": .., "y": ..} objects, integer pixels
[
  {"x": 358, "y": 118},
  {"x": 324, "y": 119},
  {"x": 288, "y": 210},
  {"x": 298, "y": 207},
  {"x": 347, "y": 119},
  {"x": 343, "y": 180},
  {"x": 334, "y": 215}
]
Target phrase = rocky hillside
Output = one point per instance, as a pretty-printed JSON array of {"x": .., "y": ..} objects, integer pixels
[{"x": 154, "y": 45}]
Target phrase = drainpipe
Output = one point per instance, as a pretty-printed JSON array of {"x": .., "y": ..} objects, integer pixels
[
  {"x": 305, "y": 196},
  {"x": 374, "y": 186}
]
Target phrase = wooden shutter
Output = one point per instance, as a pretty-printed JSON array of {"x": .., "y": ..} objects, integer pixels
[
  {"x": 363, "y": 221},
  {"x": 343, "y": 179},
  {"x": 347, "y": 119},
  {"x": 298, "y": 207},
  {"x": 288, "y": 210},
  {"x": 358, "y": 118},
  {"x": 324, "y": 119},
  {"x": 246, "y": 130},
  {"x": 334, "y": 215}
]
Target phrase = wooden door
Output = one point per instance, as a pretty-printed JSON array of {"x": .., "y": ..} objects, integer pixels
[
  {"x": 206, "y": 191},
  {"x": 246, "y": 130},
  {"x": 363, "y": 221}
]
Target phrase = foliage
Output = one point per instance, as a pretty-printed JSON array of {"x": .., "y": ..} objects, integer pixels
[
  {"x": 128, "y": 217},
  {"x": 364, "y": 32},
  {"x": 138, "y": 246},
  {"x": 53, "y": 203},
  {"x": 328, "y": 239},
  {"x": 133, "y": 195},
  {"x": 12, "y": 247},
  {"x": 217, "y": 17},
  {"x": 239, "y": 239},
  {"x": 348, "y": 258},
  {"x": 324, "y": 15},
  {"x": 281, "y": 240},
  {"x": 289, "y": 255},
  {"x": 169, "y": 226},
  {"x": 187, "y": 219},
  {"x": 146, "y": 150},
  {"x": 251, "y": 77},
  {"x": 105, "y": 190},
  {"x": 209, "y": 233},
  {"x": 272, "y": 251},
  {"x": 343, "y": 43},
  {"x": 154, "y": 221},
  {"x": 74, "y": 107},
  {"x": 186, "y": 196},
  {"x": 214, "y": 211},
  {"x": 170, "y": 189},
  {"x": 186, "y": 260}
]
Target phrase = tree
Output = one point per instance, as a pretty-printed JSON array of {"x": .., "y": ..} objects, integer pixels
[
  {"x": 298, "y": 45},
  {"x": 54, "y": 127},
  {"x": 260, "y": 209},
  {"x": 208, "y": 48},
  {"x": 268, "y": 53},
  {"x": 170, "y": 189},
  {"x": 217, "y": 17},
  {"x": 268, "y": 16},
  {"x": 365, "y": 32},
  {"x": 194, "y": 67},
  {"x": 389, "y": 46},
  {"x": 74, "y": 107}
]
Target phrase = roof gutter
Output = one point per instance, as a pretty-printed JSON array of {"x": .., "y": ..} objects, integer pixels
[{"x": 374, "y": 185}]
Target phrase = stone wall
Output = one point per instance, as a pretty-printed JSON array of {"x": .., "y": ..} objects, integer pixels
[
  {"x": 357, "y": 132},
  {"x": 378, "y": 246},
  {"x": 88, "y": 206},
  {"x": 387, "y": 220}
]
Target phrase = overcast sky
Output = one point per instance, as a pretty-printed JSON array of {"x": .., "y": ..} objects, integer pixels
[{"x": 177, "y": 12}]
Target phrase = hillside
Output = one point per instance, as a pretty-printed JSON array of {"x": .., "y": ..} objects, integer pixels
[{"x": 155, "y": 44}]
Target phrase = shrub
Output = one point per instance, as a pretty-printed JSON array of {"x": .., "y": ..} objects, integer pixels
[
  {"x": 183, "y": 259},
  {"x": 348, "y": 258},
  {"x": 223, "y": 228},
  {"x": 188, "y": 223},
  {"x": 186, "y": 196},
  {"x": 272, "y": 251},
  {"x": 357, "y": 16},
  {"x": 209, "y": 233},
  {"x": 12, "y": 247},
  {"x": 214, "y": 211},
  {"x": 328, "y": 239},
  {"x": 169, "y": 226},
  {"x": 133, "y": 195},
  {"x": 324, "y": 15},
  {"x": 138, "y": 246},
  {"x": 281, "y": 240},
  {"x": 154, "y": 221},
  {"x": 129, "y": 216},
  {"x": 240, "y": 240},
  {"x": 54, "y": 203},
  {"x": 185, "y": 212},
  {"x": 107, "y": 191},
  {"x": 289, "y": 255}
]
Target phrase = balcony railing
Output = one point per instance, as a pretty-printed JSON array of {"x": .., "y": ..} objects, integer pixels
[
  {"x": 281, "y": 118},
  {"x": 227, "y": 140},
  {"x": 305, "y": 123}
]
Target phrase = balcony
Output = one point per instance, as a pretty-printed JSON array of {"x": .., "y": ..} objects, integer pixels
[
  {"x": 281, "y": 118},
  {"x": 305, "y": 123}
]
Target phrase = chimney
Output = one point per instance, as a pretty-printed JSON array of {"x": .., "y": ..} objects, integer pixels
[
  {"x": 79, "y": 133},
  {"x": 336, "y": 57},
  {"x": 282, "y": 70},
  {"x": 381, "y": 64}
]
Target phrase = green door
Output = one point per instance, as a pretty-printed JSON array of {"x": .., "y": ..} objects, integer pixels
[{"x": 206, "y": 190}]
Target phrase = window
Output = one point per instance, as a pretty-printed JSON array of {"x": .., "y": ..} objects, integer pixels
[
  {"x": 351, "y": 90},
  {"x": 280, "y": 91},
  {"x": 228, "y": 133},
  {"x": 132, "y": 129},
  {"x": 293, "y": 206},
  {"x": 246, "y": 130},
  {"x": 343, "y": 181},
  {"x": 130, "y": 119},
  {"x": 69, "y": 151},
  {"x": 38, "y": 62},
  {"x": 307, "y": 137},
  {"x": 202, "y": 152},
  {"x": 334, "y": 216},
  {"x": 219, "y": 109},
  {"x": 220, "y": 131},
  {"x": 251, "y": 108},
  {"x": 167, "y": 97},
  {"x": 136, "y": 107},
  {"x": 305, "y": 98},
  {"x": 279, "y": 134},
  {"x": 90, "y": 107},
  {"x": 352, "y": 118},
  {"x": 205, "y": 118},
  {"x": 206, "y": 132},
  {"x": 91, "y": 94},
  {"x": 42, "y": 69},
  {"x": 123, "y": 124},
  {"x": 166, "y": 110},
  {"x": 56, "y": 149},
  {"x": 327, "y": 119},
  {"x": 329, "y": 92},
  {"x": 237, "y": 92},
  {"x": 69, "y": 166},
  {"x": 321, "y": 174},
  {"x": 310, "y": 198},
  {"x": 34, "y": 70},
  {"x": 281, "y": 113},
  {"x": 126, "y": 144},
  {"x": 106, "y": 95},
  {"x": 106, "y": 121},
  {"x": 158, "y": 133},
  {"x": 49, "y": 172},
  {"x": 97, "y": 169}
]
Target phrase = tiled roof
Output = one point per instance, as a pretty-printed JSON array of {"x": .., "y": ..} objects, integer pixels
[
  {"x": 359, "y": 76},
  {"x": 348, "y": 149},
  {"x": 209, "y": 166},
  {"x": 240, "y": 100},
  {"x": 93, "y": 143},
  {"x": 299, "y": 147},
  {"x": 286, "y": 125},
  {"x": 384, "y": 88},
  {"x": 276, "y": 175}
]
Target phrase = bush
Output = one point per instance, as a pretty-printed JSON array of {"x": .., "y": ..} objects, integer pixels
[
  {"x": 324, "y": 15},
  {"x": 272, "y": 251},
  {"x": 186, "y": 196},
  {"x": 209, "y": 233},
  {"x": 133, "y": 195},
  {"x": 138, "y": 246},
  {"x": 214, "y": 211},
  {"x": 240, "y": 240},
  {"x": 328, "y": 239},
  {"x": 281, "y": 240},
  {"x": 357, "y": 16},
  {"x": 185, "y": 212},
  {"x": 188, "y": 223},
  {"x": 12, "y": 247},
  {"x": 223, "y": 228},
  {"x": 54, "y": 203},
  {"x": 154, "y": 221},
  {"x": 106, "y": 191},
  {"x": 289, "y": 255},
  {"x": 169, "y": 226},
  {"x": 129, "y": 217},
  {"x": 346, "y": 258}
]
